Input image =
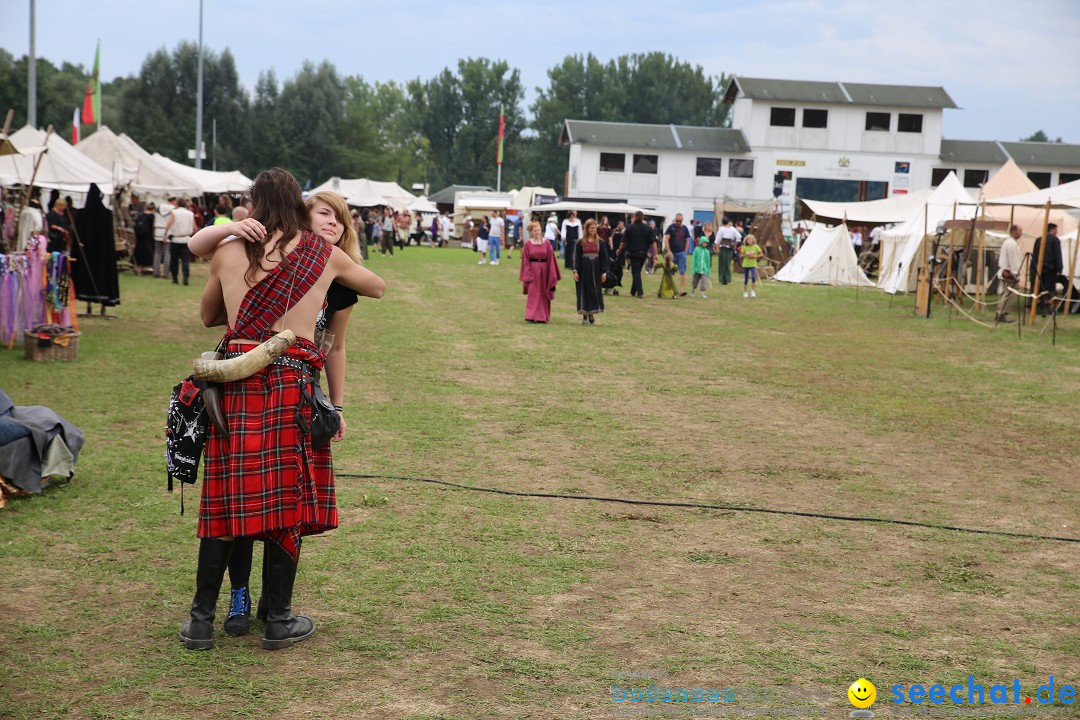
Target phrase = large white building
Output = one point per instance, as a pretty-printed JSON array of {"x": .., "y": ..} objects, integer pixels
[{"x": 836, "y": 141}]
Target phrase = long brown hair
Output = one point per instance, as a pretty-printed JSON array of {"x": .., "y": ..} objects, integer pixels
[{"x": 279, "y": 205}]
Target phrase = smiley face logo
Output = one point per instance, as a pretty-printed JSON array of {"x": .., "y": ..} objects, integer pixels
[{"x": 862, "y": 693}]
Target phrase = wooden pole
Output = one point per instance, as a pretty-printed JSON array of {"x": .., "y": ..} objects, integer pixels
[
  {"x": 1038, "y": 265},
  {"x": 979, "y": 287}
]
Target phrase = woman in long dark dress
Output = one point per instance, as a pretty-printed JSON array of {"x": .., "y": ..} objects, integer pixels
[
  {"x": 144, "y": 239},
  {"x": 590, "y": 271},
  {"x": 615, "y": 267}
]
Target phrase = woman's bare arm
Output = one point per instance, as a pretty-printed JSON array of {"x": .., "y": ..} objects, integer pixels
[
  {"x": 212, "y": 305},
  {"x": 205, "y": 242},
  {"x": 356, "y": 277}
]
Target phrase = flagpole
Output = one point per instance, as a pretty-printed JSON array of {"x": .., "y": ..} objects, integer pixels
[
  {"x": 199, "y": 99},
  {"x": 498, "y": 182},
  {"x": 31, "y": 77},
  {"x": 97, "y": 81}
]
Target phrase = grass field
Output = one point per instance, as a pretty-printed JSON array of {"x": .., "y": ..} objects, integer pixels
[{"x": 434, "y": 602}]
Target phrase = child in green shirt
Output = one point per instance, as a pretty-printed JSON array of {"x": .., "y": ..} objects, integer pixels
[
  {"x": 750, "y": 252},
  {"x": 700, "y": 264}
]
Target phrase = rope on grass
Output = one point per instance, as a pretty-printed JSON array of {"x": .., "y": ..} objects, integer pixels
[
  {"x": 962, "y": 311},
  {"x": 969, "y": 296},
  {"x": 708, "y": 506}
]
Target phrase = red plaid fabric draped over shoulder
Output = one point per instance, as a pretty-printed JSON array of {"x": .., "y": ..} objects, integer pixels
[{"x": 266, "y": 481}]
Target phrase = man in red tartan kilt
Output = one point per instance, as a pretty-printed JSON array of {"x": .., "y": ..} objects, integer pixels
[{"x": 263, "y": 479}]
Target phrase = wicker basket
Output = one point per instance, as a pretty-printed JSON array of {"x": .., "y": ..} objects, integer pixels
[{"x": 51, "y": 352}]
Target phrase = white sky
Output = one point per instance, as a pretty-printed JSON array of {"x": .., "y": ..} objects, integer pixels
[{"x": 1010, "y": 65}]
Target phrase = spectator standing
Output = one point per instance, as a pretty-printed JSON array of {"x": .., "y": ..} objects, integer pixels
[
  {"x": 551, "y": 232},
  {"x": 570, "y": 233},
  {"x": 750, "y": 252},
  {"x": 389, "y": 233},
  {"x": 162, "y": 256},
  {"x": 483, "y": 235},
  {"x": 178, "y": 231},
  {"x": 677, "y": 239},
  {"x": 856, "y": 240},
  {"x": 700, "y": 266},
  {"x": 59, "y": 232},
  {"x": 638, "y": 243},
  {"x": 1052, "y": 266},
  {"x": 144, "y": 238},
  {"x": 726, "y": 240},
  {"x": 496, "y": 228},
  {"x": 1008, "y": 272}
]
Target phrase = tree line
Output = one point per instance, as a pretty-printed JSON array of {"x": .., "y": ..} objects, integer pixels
[{"x": 319, "y": 123}]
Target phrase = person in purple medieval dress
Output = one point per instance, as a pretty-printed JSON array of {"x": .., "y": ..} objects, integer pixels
[{"x": 539, "y": 274}]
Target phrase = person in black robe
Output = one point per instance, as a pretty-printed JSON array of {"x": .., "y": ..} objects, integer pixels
[
  {"x": 94, "y": 251},
  {"x": 144, "y": 238},
  {"x": 1052, "y": 267},
  {"x": 590, "y": 271},
  {"x": 615, "y": 268}
]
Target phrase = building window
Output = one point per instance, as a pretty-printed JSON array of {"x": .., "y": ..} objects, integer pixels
[
  {"x": 740, "y": 168},
  {"x": 975, "y": 178},
  {"x": 938, "y": 175},
  {"x": 815, "y": 118},
  {"x": 909, "y": 122},
  {"x": 612, "y": 162},
  {"x": 709, "y": 167},
  {"x": 782, "y": 117},
  {"x": 1067, "y": 178},
  {"x": 646, "y": 164},
  {"x": 1041, "y": 179},
  {"x": 878, "y": 121}
]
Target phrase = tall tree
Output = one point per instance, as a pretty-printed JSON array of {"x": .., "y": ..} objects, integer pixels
[{"x": 310, "y": 110}]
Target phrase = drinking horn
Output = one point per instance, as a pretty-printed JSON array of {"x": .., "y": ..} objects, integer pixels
[{"x": 245, "y": 365}]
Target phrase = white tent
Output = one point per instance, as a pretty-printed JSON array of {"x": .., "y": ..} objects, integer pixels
[
  {"x": 900, "y": 245},
  {"x": 134, "y": 166},
  {"x": 62, "y": 168},
  {"x": 889, "y": 210},
  {"x": 1010, "y": 181},
  {"x": 1067, "y": 195},
  {"x": 423, "y": 206},
  {"x": 583, "y": 206},
  {"x": 361, "y": 192},
  {"x": 207, "y": 181},
  {"x": 826, "y": 258}
]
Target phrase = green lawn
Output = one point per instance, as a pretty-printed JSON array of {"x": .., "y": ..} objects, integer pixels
[{"x": 434, "y": 602}]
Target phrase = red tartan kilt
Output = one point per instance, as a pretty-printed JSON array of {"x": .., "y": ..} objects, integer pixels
[{"x": 266, "y": 481}]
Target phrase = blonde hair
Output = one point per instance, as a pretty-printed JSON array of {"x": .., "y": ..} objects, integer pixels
[
  {"x": 350, "y": 242},
  {"x": 590, "y": 223},
  {"x": 534, "y": 224},
  {"x": 749, "y": 240}
]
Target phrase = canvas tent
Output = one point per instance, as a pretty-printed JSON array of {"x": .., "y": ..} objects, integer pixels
[
  {"x": 523, "y": 199},
  {"x": 133, "y": 166},
  {"x": 826, "y": 258},
  {"x": 1060, "y": 196},
  {"x": 873, "y": 212},
  {"x": 361, "y": 192},
  {"x": 62, "y": 168},
  {"x": 423, "y": 206},
  {"x": 900, "y": 245},
  {"x": 207, "y": 181},
  {"x": 1011, "y": 181},
  {"x": 585, "y": 206}
]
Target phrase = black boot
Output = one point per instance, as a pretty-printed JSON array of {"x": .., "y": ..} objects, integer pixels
[
  {"x": 283, "y": 629},
  {"x": 197, "y": 633},
  {"x": 261, "y": 612}
]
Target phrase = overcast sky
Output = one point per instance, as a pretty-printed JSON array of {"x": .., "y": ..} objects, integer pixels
[{"x": 1011, "y": 66}]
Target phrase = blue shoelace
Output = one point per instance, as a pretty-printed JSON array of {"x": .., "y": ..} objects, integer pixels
[{"x": 240, "y": 602}]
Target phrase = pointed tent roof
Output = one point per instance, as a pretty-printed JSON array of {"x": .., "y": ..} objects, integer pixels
[
  {"x": 62, "y": 168},
  {"x": 207, "y": 181},
  {"x": 900, "y": 244},
  {"x": 362, "y": 192},
  {"x": 1009, "y": 181},
  {"x": 132, "y": 165},
  {"x": 825, "y": 258}
]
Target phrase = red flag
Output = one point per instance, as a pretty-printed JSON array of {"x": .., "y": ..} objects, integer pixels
[
  {"x": 88, "y": 105},
  {"x": 75, "y": 128},
  {"x": 502, "y": 131}
]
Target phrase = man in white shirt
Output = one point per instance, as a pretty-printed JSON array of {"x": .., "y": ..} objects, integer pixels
[
  {"x": 161, "y": 245},
  {"x": 856, "y": 241},
  {"x": 495, "y": 235},
  {"x": 446, "y": 229},
  {"x": 1008, "y": 272},
  {"x": 178, "y": 231},
  {"x": 727, "y": 238},
  {"x": 551, "y": 232}
]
